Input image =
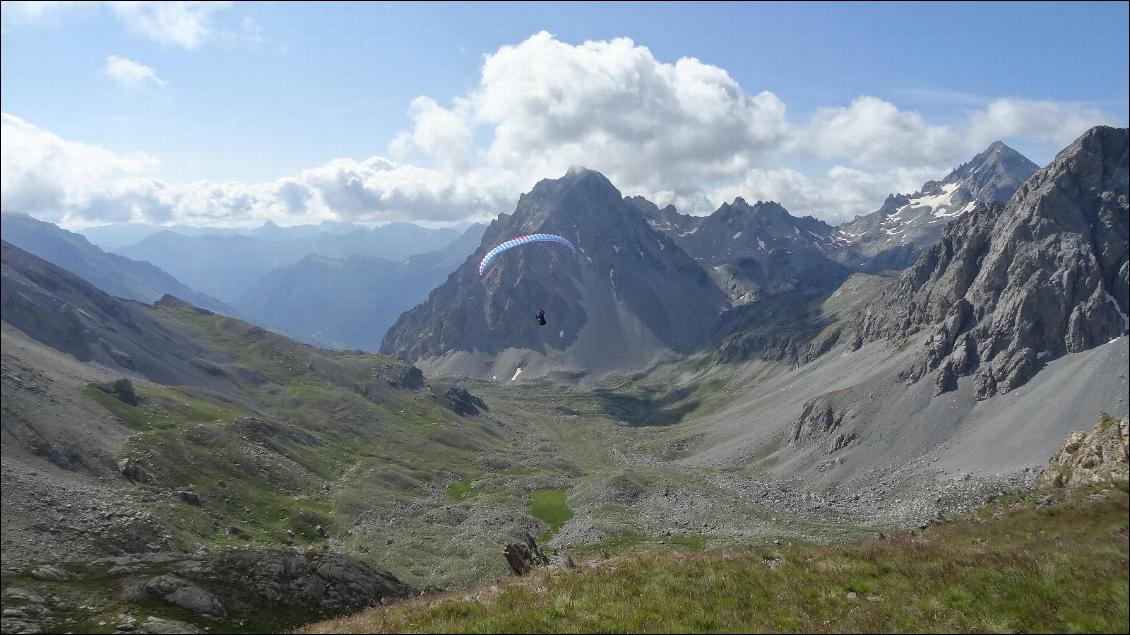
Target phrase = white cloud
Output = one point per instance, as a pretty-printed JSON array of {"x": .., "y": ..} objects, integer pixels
[
  {"x": 611, "y": 106},
  {"x": 47, "y": 176},
  {"x": 75, "y": 183},
  {"x": 1054, "y": 122},
  {"x": 873, "y": 131},
  {"x": 445, "y": 135},
  {"x": 184, "y": 24},
  {"x": 129, "y": 73}
]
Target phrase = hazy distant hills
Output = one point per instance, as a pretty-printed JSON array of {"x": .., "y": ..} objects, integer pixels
[
  {"x": 350, "y": 302},
  {"x": 227, "y": 265},
  {"x": 112, "y": 273}
]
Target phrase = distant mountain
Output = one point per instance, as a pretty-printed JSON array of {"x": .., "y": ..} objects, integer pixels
[
  {"x": 667, "y": 220},
  {"x": 753, "y": 251},
  {"x": 228, "y": 266},
  {"x": 116, "y": 236},
  {"x": 350, "y": 302},
  {"x": 1011, "y": 287},
  {"x": 893, "y": 236},
  {"x": 114, "y": 274},
  {"x": 628, "y": 294}
]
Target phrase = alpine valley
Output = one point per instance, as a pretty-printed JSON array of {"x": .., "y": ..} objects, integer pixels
[{"x": 253, "y": 432}]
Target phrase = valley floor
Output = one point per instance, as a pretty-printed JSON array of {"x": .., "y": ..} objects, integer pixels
[{"x": 1029, "y": 562}]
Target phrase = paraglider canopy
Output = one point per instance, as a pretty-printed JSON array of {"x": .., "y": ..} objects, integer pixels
[{"x": 518, "y": 241}]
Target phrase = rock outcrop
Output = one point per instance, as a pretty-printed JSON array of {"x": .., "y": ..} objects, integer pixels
[
  {"x": 1099, "y": 456},
  {"x": 524, "y": 556}
]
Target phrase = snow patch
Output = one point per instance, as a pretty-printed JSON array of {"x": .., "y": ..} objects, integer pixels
[
  {"x": 517, "y": 371},
  {"x": 737, "y": 235},
  {"x": 761, "y": 243},
  {"x": 616, "y": 247},
  {"x": 561, "y": 333},
  {"x": 1114, "y": 303},
  {"x": 935, "y": 201}
]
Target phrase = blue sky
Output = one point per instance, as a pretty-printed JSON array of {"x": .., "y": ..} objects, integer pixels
[{"x": 258, "y": 93}]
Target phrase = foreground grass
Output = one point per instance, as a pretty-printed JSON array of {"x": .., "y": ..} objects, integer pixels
[{"x": 1010, "y": 567}]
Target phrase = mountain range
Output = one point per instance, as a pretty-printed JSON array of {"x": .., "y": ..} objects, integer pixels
[{"x": 227, "y": 265}]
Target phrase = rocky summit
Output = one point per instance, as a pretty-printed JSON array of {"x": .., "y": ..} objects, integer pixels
[
  {"x": 893, "y": 236},
  {"x": 627, "y": 295}
]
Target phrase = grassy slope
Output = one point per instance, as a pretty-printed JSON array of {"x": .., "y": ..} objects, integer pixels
[
  {"x": 314, "y": 438},
  {"x": 1011, "y": 566}
]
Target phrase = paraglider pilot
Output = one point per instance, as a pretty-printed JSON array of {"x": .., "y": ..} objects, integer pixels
[{"x": 541, "y": 316}]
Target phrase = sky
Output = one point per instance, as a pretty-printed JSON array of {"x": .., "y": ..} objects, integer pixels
[{"x": 230, "y": 114}]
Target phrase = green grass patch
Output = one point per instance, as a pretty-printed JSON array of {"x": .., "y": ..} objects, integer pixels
[
  {"x": 462, "y": 490},
  {"x": 692, "y": 543},
  {"x": 551, "y": 507}
]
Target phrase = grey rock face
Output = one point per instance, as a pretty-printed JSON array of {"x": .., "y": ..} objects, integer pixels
[
  {"x": 893, "y": 236},
  {"x": 1011, "y": 285},
  {"x": 176, "y": 591}
]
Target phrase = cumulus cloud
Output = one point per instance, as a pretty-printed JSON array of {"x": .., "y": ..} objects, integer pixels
[
  {"x": 129, "y": 73},
  {"x": 612, "y": 106},
  {"x": 685, "y": 133},
  {"x": 47, "y": 176},
  {"x": 873, "y": 131}
]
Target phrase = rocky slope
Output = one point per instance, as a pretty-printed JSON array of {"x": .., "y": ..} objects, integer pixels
[
  {"x": 893, "y": 236},
  {"x": 1010, "y": 287},
  {"x": 627, "y": 295},
  {"x": 68, "y": 314},
  {"x": 114, "y": 274}
]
